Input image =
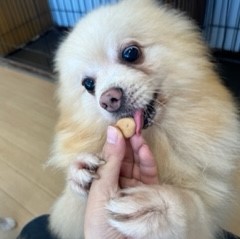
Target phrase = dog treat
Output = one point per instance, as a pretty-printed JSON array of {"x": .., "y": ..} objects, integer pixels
[{"x": 127, "y": 127}]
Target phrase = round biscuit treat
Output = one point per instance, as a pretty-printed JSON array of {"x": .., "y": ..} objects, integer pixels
[{"x": 127, "y": 127}]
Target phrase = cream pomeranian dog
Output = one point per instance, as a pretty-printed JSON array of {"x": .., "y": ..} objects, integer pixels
[{"x": 138, "y": 59}]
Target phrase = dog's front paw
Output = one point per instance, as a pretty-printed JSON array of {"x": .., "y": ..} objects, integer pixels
[
  {"x": 82, "y": 171},
  {"x": 141, "y": 212}
]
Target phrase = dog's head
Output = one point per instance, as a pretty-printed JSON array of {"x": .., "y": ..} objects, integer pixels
[{"x": 127, "y": 58}]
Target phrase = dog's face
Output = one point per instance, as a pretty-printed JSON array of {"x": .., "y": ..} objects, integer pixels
[{"x": 124, "y": 59}]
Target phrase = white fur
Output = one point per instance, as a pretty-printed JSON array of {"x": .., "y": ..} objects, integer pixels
[
  {"x": 194, "y": 137},
  {"x": 82, "y": 172}
]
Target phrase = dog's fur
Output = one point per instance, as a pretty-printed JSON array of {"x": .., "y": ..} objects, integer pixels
[{"x": 195, "y": 132}]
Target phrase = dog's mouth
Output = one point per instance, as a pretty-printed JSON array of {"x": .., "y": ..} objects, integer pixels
[
  {"x": 149, "y": 113},
  {"x": 143, "y": 117}
]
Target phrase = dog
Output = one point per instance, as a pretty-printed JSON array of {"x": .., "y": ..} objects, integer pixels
[{"x": 141, "y": 57}]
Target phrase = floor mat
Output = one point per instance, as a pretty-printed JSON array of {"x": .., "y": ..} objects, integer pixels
[{"x": 39, "y": 53}]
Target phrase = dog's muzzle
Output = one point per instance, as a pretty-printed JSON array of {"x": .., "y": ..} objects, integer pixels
[{"x": 115, "y": 102}]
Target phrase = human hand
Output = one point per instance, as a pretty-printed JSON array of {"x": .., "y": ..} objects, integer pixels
[
  {"x": 138, "y": 166},
  {"x": 128, "y": 163}
]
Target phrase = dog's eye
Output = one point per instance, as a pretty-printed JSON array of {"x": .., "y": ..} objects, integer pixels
[
  {"x": 89, "y": 84},
  {"x": 131, "y": 54}
]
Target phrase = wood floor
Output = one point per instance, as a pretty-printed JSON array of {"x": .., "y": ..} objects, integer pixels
[{"x": 27, "y": 118}]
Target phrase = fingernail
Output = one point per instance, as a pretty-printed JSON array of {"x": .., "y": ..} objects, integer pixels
[{"x": 112, "y": 135}]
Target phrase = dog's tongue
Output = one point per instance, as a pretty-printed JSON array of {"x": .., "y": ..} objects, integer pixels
[{"x": 138, "y": 118}]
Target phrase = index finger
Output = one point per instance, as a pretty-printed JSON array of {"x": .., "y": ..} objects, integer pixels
[{"x": 113, "y": 153}]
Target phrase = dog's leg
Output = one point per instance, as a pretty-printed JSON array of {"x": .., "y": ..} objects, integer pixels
[
  {"x": 67, "y": 216},
  {"x": 160, "y": 212},
  {"x": 82, "y": 171}
]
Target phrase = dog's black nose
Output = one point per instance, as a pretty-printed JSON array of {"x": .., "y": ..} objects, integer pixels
[{"x": 111, "y": 100}]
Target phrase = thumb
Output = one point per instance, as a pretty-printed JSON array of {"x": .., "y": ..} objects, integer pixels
[{"x": 113, "y": 153}]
